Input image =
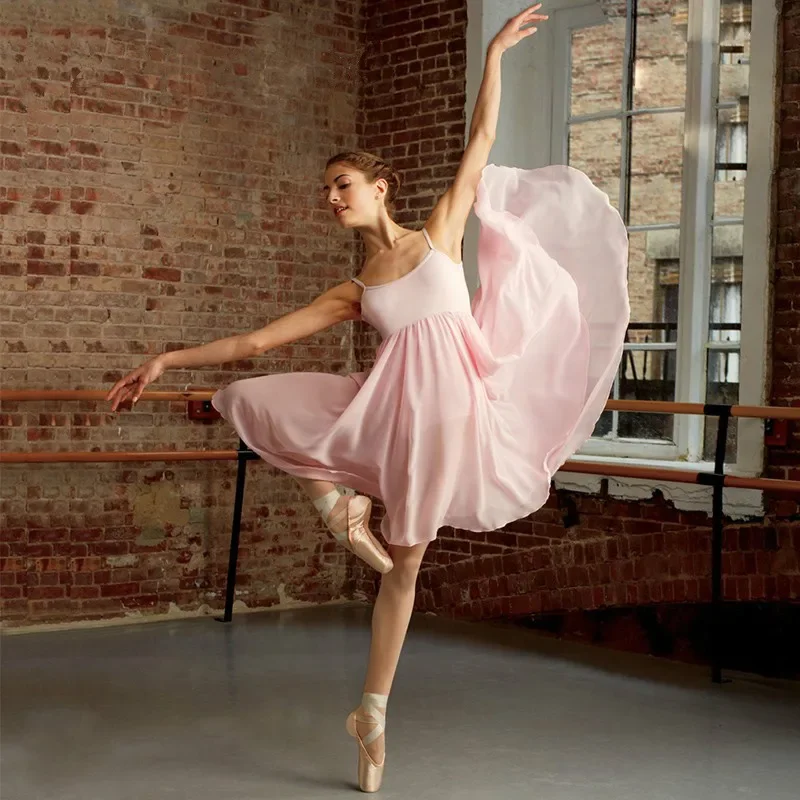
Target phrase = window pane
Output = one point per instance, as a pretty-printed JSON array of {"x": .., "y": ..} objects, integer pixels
[
  {"x": 722, "y": 387},
  {"x": 594, "y": 148},
  {"x": 648, "y": 374},
  {"x": 731, "y": 163},
  {"x": 660, "y": 65},
  {"x": 734, "y": 49},
  {"x": 653, "y": 286},
  {"x": 656, "y": 168},
  {"x": 725, "y": 304},
  {"x": 633, "y": 385},
  {"x": 604, "y": 425},
  {"x": 597, "y": 66},
  {"x": 724, "y": 323}
]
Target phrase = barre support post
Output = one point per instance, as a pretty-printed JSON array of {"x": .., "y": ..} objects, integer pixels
[
  {"x": 233, "y": 554},
  {"x": 723, "y": 413}
]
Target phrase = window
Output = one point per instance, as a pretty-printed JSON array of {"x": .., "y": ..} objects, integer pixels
[
  {"x": 670, "y": 148},
  {"x": 670, "y": 108}
]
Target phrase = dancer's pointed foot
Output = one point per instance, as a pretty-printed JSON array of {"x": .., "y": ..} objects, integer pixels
[
  {"x": 347, "y": 519},
  {"x": 366, "y": 725},
  {"x": 359, "y": 537}
]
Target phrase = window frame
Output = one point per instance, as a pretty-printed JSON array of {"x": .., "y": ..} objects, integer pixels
[
  {"x": 537, "y": 109},
  {"x": 697, "y": 222}
]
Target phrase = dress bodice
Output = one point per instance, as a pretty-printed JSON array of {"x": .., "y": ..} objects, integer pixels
[{"x": 435, "y": 286}]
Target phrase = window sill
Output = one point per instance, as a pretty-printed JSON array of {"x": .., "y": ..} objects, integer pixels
[{"x": 738, "y": 504}]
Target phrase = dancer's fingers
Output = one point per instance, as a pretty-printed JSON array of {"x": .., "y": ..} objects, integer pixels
[
  {"x": 531, "y": 10},
  {"x": 531, "y": 18},
  {"x": 137, "y": 393},
  {"x": 127, "y": 400},
  {"x": 116, "y": 397},
  {"x": 116, "y": 400},
  {"x": 117, "y": 387},
  {"x": 524, "y": 13},
  {"x": 123, "y": 396}
]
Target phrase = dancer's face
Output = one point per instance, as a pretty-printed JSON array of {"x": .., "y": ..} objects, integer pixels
[{"x": 348, "y": 188}]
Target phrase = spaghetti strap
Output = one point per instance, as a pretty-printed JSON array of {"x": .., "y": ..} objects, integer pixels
[
  {"x": 358, "y": 282},
  {"x": 428, "y": 239}
]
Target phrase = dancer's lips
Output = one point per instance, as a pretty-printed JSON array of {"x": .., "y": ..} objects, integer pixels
[{"x": 339, "y": 210}]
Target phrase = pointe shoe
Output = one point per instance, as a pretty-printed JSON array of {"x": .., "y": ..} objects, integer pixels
[
  {"x": 370, "y": 773},
  {"x": 359, "y": 539}
]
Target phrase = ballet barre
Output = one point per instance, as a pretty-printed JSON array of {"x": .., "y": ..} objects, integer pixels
[{"x": 717, "y": 479}]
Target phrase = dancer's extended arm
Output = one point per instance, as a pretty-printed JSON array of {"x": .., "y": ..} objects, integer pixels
[
  {"x": 450, "y": 215},
  {"x": 336, "y": 305}
]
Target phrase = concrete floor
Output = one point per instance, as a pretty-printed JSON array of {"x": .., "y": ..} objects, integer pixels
[{"x": 256, "y": 710}]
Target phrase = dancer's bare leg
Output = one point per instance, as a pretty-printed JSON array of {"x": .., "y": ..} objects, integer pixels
[{"x": 390, "y": 618}]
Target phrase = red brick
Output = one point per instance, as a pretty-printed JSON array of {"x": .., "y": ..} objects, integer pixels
[
  {"x": 189, "y": 31},
  {"x": 86, "y": 148},
  {"x": 227, "y": 39},
  {"x": 44, "y": 206},
  {"x": 45, "y": 592},
  {"x": 119, "y": 589},
  {"x": 208, "y": 21},
  {"x": 161, "y": 274}
]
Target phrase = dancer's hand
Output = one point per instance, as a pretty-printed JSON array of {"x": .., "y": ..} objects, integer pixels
[
  {"x": 132, "y": 385},
  {"x": 512, "y": 33}
]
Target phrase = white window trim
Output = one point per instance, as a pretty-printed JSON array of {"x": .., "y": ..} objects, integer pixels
[{"x": 541, "y": 104}]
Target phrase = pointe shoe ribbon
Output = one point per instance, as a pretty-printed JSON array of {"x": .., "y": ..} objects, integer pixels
[{"x": 359, "y": 538}]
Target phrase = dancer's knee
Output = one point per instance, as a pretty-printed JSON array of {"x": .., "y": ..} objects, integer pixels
[{"x": 407, "y": 562}]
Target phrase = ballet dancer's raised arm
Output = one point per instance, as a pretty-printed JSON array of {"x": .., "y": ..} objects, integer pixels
[
  {"x": 336, "y": 305},
  {"x": 449, "y": 217}
]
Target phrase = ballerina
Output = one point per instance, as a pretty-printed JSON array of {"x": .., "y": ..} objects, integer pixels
[{"x": 470, "y": 407}]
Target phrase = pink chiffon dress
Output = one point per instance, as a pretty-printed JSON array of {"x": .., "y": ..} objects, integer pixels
[{"x": 470, "y": 407}]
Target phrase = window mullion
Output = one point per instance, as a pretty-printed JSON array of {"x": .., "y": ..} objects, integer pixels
[
  {"x": 756, "y": 299},
  {"x": 696, "y": 213},
  {"x": 629, "y": 59}
]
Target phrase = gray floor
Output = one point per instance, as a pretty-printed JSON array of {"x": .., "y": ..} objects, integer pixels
[{"x": 255, "y": 710}]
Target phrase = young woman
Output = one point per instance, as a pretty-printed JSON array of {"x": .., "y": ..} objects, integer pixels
[{"x": 470, "y": 407}]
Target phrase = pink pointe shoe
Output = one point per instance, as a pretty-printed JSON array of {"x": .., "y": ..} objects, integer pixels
[
  {"x": 370, "y": 773},
  {"x": 359, "y": 539}
]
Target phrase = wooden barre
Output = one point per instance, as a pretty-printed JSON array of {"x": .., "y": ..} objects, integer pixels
[
  {"x": 641, "y": 406},
  {"x": 28, "y": 395},
  {"x": 678, "y": 476},
  {"x": 66, "y": 457},
  {"x": 584, "y": 467}
]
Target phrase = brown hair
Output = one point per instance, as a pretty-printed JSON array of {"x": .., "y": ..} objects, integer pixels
[{"x": 374, "y": 168}]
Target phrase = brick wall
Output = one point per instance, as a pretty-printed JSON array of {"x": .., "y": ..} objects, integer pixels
[
  {"x": 785, "y": 372},
  {"x": 161, "y": 174}
]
